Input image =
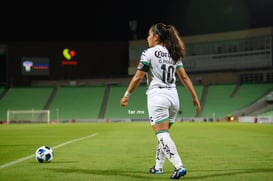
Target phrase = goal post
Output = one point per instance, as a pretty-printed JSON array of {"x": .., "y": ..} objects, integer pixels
[{"x": 28, "y": 116}]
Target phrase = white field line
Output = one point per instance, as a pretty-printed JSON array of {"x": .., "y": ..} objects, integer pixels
[{"x": 54, "y": 147}]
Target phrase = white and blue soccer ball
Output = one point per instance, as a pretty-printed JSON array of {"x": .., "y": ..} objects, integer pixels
[{"x": 44, "y": 154}]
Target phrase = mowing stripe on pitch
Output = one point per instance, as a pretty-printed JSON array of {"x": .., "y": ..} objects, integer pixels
[{"x": 54, "y": 147}]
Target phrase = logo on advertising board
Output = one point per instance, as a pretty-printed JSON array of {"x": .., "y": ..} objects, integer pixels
[
  {"x": 35, "y": 66},
  {"x": 69, "y": 55}
]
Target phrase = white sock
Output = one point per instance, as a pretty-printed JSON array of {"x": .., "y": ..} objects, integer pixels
[
  {"x": 159, "y": 157},
  {"x": 169, "y": 148}
]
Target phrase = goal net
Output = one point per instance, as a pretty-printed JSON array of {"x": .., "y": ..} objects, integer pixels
[{"x": 28, "y": 116}]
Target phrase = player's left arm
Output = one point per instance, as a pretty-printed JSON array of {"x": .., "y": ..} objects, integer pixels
[{"x": 184, "y": 78}]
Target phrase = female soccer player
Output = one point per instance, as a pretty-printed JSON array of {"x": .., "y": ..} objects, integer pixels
[{"x": 161, "y": 62}]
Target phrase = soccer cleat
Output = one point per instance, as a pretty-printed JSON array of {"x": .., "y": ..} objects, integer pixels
[
  {"x": 178, "y": 173},
  {"x": 154, "y": 171}
]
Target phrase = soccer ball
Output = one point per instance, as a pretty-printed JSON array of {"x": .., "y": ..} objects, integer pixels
[{"x": 44, "y": 154}]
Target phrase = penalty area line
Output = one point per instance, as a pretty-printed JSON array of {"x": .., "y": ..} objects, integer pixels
[{"x": 54, "y": 147}]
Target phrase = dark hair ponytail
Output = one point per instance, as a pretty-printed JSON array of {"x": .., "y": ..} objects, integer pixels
[{"x": 169, "y": 36}]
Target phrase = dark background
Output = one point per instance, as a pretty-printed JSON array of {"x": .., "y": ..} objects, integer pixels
[
  {"x": 100, "y": 33},
  {"x": 106, "y": 20}
]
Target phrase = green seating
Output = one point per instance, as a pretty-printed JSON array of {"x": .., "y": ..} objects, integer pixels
[
  {"x": 137, "y": 108},
  {"x": 249, "y": 93},
  {"x": 218, "y": 101},
  {"x": 93, "y": 102},
  {"x": 79, "y": 102},
  {"x": 186, "y": 106},
  {"x": 24, "y": 98}
]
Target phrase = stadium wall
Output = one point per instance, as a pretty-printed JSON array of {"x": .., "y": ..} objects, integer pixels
[{"x": 66, "y": 60}]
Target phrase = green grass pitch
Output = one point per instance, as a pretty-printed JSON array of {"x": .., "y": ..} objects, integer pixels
[{"x": 125, "y": 151}]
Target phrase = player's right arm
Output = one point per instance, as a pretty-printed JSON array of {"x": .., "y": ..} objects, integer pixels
[{"x": 134, "y": 83}]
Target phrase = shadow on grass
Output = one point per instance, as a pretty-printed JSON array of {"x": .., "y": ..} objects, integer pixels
[
  {"x": 190, "y": 175},
  {"x": 228, "y": 172},
  {"x": 126, "y": 173}
]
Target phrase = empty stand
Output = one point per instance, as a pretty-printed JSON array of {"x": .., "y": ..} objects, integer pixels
[
  {"x": 24, "y": 98},
  {"x": 102, "y": 102},
  {"x": 187, "y": 109},
  {"x": 137, "y": 108},
  {"x": 220, "y": 100},
  {"x": 79, "y": 102}
]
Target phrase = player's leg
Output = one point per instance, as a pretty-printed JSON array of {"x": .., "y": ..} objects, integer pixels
[
  {"x": 164, "y": 113},
  {"x": 155, "y": 104},
  {"x": 179, "y": 171},
  {"x": 168, "y": 146},
  {"x": 158, "y": 108},
  {"x": 159, "y": 161}
]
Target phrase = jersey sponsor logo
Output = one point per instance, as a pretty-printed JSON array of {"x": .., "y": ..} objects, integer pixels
[
  {"x": 164, "y": 57},
  {"x": 160, "y": 54}
]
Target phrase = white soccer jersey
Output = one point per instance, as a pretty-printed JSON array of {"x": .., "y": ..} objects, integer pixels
[
  {"x": 163, "y": 100},
  {"x": 161, "y": 67}
]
